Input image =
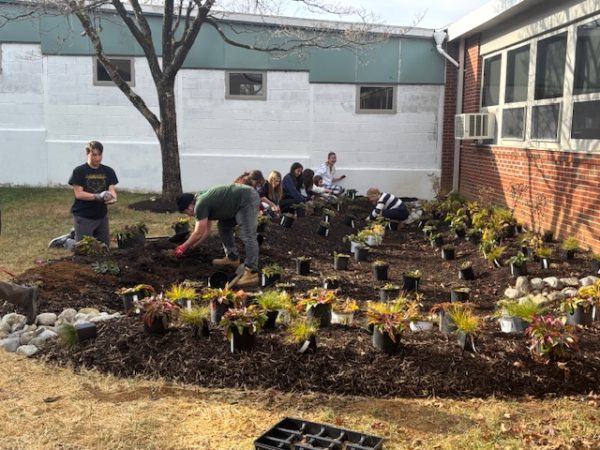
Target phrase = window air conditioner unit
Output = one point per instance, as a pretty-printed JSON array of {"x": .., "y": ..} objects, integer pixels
[{"x": 474, "y": 126}]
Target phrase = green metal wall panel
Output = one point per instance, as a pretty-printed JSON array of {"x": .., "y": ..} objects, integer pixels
[
  {"x": 379, "y": 63},
  {"x": 420, "y": 63},
  {"x": 332, "y": 66},
  {"x": 22, "y": 30}
]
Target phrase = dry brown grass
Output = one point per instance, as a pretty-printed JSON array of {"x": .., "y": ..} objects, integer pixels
[{"x": 44, "y": 407}]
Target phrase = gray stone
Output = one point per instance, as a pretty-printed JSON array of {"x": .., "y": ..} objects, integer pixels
[
  {"x": 4, "y": 327},
  {"x": 26, "y": 337},
  {"x": 104, "y": 316},
  {"x": 89, "y": 311},
  {"x": 47, "y": 319},
  {"x": 553, "y": 282},
  {"x": 42, "y": 338},
  {"x": 586, "y": 281},
  {"x": 27, "y": 350},
  {"x": 537, "y": 284},
  {"x": 512, "y": 293},
  {"x": 67, "y": 316},
  {"x": 10, "y": 344},
  {"x": 570, "y": 282},
  {"x": 15, "y": 321},
  {"x": 555, "y": 296},
  {"x": 569, "y": 292},
  {"x": 540, "y": 299},
  {"x": 522, "y": 284},
  {"x": 4, "y": 334}
]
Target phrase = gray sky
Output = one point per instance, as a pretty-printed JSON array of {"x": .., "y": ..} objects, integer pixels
[{"x": 438, "y": 13}]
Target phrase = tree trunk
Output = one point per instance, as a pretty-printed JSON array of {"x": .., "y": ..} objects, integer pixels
[{"x": 169, "y": 146}]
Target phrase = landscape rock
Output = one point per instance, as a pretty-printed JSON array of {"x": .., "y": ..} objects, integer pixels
[
  {"x": 39, "y": 340},
  {"x": 512, "y": 293},
  {"x": 27, "y": 350},
  {"x": 10, "y": 344},
  {"x": 553, "y": 282},
  {"x": 26, "y": 337},
  {"x": 522, "y": 285},
  {"x": 537, "y": 284},
  {"x": 586, "y": 281},
  {"x": 555, "y": 296},
  {"x": 89, "y": 311},
  {"x": 67, "y": 316},
  {"x": 570, "y": 281},
  {"x": 47, "y": 319},
  {"x": 569, "y": 292}
]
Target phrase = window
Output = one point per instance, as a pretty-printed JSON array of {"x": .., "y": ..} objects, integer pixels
[
  {"x": 550, "y": 67},
  {"x": 124, "y": 67},
  {"x": 544, "y": 122},
  {"x": 517, "y": 75},
  {"x": 586, "y": 120},
  {"x": 587, "y": 64},
  {"x": 513, "y": 123},
  {"x": 376, "y": 99},
  {"x": 246, "y": 85},
  {"x": 491, "y": 81}
]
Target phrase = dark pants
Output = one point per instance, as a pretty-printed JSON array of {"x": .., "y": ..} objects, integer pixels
[{"x": 400, "y": 213}]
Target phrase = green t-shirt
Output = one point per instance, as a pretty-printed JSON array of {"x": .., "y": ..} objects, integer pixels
[{"x": 221, "y": 202}]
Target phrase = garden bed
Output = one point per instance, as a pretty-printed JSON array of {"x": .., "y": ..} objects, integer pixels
[{"x": 429, "y": 363}]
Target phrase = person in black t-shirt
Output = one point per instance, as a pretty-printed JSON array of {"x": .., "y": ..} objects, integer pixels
[{"x": 94, "y": 187}]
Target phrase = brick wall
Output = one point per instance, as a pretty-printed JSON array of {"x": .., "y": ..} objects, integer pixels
[{"x": 563, "y": 185}]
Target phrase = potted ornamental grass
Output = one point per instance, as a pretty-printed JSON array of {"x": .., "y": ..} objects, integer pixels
[
  {"x": 544, "y": 254},
  {"x": 494, "y": 255},
  {"x": 183, "y": 294},
  {"x": 198, "y": 319},
  {"x": 388, "y": 325},
  {"x": 303, "y": 331},
  {"x": 241, "y": 325},
  {"x": 222, "y": 299},
  {"x": 518, "y": 264},
  {"x": 411, "y": 280},
  {"x": 271, "y": 274},
  {"x": 131, "y": 295},
  {"x": 158, "y": 313},
  {"x": 131, "y": 236},
  {"x": 550, "y": 339},
  {"x": 272, "y": 301},
  {"x": 343, "y": 311},
  {"x": 443, "y": 312},
  {"x": 318, "y": 305},
  {"x": 467, "y": 325},
  {"x": 570, "y": 246},
  {"x": 516, "y": 315},
  {"x": 380, "y": 270}
]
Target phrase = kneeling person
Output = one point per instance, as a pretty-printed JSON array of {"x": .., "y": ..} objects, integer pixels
[
  {"x": 387, "y": 205},
  {"x": 229, "y": 205}
]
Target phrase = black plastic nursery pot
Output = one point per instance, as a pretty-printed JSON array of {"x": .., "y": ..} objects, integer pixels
[
  {"x": 286, "y": 221},
  {"x": 261, "y": 227},
  {"x": 351, "y": 193},
  {"x": 309, "y": 346},
  {"x": 331, "y": 283},
  {"x": 393, "y": 225},
  {"x": 460, "y": 232},
  {"x": 157, "y": 326},
  {"x": 303, "y": 266},
  {"x": 86, "y": 330},
  {"x": 548, "y": 236},
  {"x": 320, "y": 313},
  {"x": 218, "y": 280},
  {"x": 260, "y": 238},
  {"x": 349, "y": 221},
  {"x": 437, "y": 242},
  {"x": 510, "y": 324},
  {"x": 459, "y": 295},
  {"x": 271, "y": 319},
  {"x": 323, "y": 230},
  {"x": 381, "y": 272},
  {"x": 466, "y": 273},
  {"x": 298, "y": 434},
  {"x": 128, "y": 300},
  {"x": 466, "y": 341},
  {"x": 384, "y": 343},
  {"x": 361, "y": 253},
  {"x": 518, "y": 270},
  {"x": 595, "y": 267},
  {"x": 446, "y": 324},
  {"x": 411, "y": 284},
  {"x": 286, "y": 287},
  {"x": 448, "y": 253},
  {"x": 217, "y": 310},
  {"x": 181, "y": 228},
  {"x": 268, "y": 280},
  {"x": 241, "y": 342},
  {"x": 341, "y": 262},
  {"x": 581, "y": 316},
  {"x": 544, "y": 263},
  {"x": 184, "y": 303},
  {"x": 385, "y": 295},
  {"x": 569, "y": 255},
  {"x": 135, "y": 241},
  {"x": 474, "y": 239}
]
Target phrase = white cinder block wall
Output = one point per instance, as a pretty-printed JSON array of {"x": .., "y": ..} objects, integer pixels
[{"x": 49, "y": 109}]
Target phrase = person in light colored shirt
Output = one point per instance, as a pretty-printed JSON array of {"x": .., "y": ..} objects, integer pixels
[{"x": 327, "y": 172}]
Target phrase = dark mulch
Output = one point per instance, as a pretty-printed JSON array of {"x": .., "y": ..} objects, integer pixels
[
  {"x": 154, "y": 204},
  {"x": 345, "y": 363}
]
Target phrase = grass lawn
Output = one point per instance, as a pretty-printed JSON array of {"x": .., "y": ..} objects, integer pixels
[{"x": 44, "y": 407}]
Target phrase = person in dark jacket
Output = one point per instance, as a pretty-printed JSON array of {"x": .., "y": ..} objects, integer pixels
[{"x": 292, "y": 187}]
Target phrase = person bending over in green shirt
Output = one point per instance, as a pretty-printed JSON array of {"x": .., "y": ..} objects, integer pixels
[{"x": 229, "y": 205}]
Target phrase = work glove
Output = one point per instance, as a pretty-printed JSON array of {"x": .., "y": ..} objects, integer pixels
[
  {"x": 103, "y": 196},
  {"x": 180, "y": 251}
]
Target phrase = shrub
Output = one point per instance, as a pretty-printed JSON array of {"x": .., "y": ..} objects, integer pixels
[
  {"x": 106, "y": 267},
  {"x": 251, "y": 318},
  {"x": 302, "y": 329},
  {"x": 90, "y": 246},
  {"x": 571, "y": 244},
  {"x": 550, "y": 338}
]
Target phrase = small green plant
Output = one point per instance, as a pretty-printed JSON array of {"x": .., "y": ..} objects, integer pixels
[
  {"x": 316, "y": 297},
  {"x": 518, "y": 260},
  {"x": 90, "y": 246},
  {"x": 463, "y": 317},
  {"x": 341, "y": 255},
  {"x": 196, "y": 317},
  {"x": 272, "y": 269},
  {"x": 569, "y": 305},
  {"x": 68, "y": 334},
  {"x": 390, "y": 287},
  {"x": 225, "y": 296},
  {"x": 273, "y": 300},
  {"x": 262, "y": 219},
  {"x": 158, "y": 308},
  {"x": 181, "y": 222},
  {"x": 145, "y": 289},
  {"x": 358, "y": 238},
  {"x": 106, "y": 267},
  {"x": 131, "y": 231},
  {"x": 181, "y": 291},
  {"x": 303, "y": 258},
  {"x": 251, "y": 318},
  {"x": 549, "y": 338},
  {"x": 416, "y": 273},
  {"x": 466, "y": 265},
  {"x": 495, "y": 253},
  {"x": 346, "y": 306},
  {"x": 380, "y": 263},
  {"x": 525, "y": 310},
  {"x": 545, "y": 252},
  {"x": 302, "y": 329},
  {"x": 328, "y": 212},
  {"x": 571, "y": 244}
]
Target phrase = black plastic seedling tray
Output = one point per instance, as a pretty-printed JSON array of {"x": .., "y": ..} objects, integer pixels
[{"x": 298, "y": 434}]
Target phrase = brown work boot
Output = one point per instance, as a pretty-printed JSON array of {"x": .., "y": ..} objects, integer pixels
[
  {"x": 248, "y": 279},
  {"x": 226, "y": 262}
]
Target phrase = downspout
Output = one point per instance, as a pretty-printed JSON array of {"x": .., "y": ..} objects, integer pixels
[
  {"x": 440, "y": 37},
  {"x": 459, "y": 110}
]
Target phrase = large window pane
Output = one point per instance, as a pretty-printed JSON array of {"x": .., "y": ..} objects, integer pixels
[
  {"x": 513, "y": 123},
  {"x": 245, "y": 85},
  {"x": 491, "y": 81},
  {"x": 587, "y": 59},
  {"x": 517, "y": 75},
  {"x": 550, "y": 67},
  {"x": 544, "y": 122},
  {"x": 376, "y": 99},
  {"x": 586, "y": 120},
  {"x": 124, "y": 68}
]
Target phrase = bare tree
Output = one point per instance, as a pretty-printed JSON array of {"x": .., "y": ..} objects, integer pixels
[{"x": 181, "y": 23}]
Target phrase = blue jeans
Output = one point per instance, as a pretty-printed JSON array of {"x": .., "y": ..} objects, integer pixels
[{"x": 245, "y": 217}]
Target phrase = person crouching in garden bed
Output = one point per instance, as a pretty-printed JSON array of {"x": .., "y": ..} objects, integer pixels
[{"x": 386, "y": 205}]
